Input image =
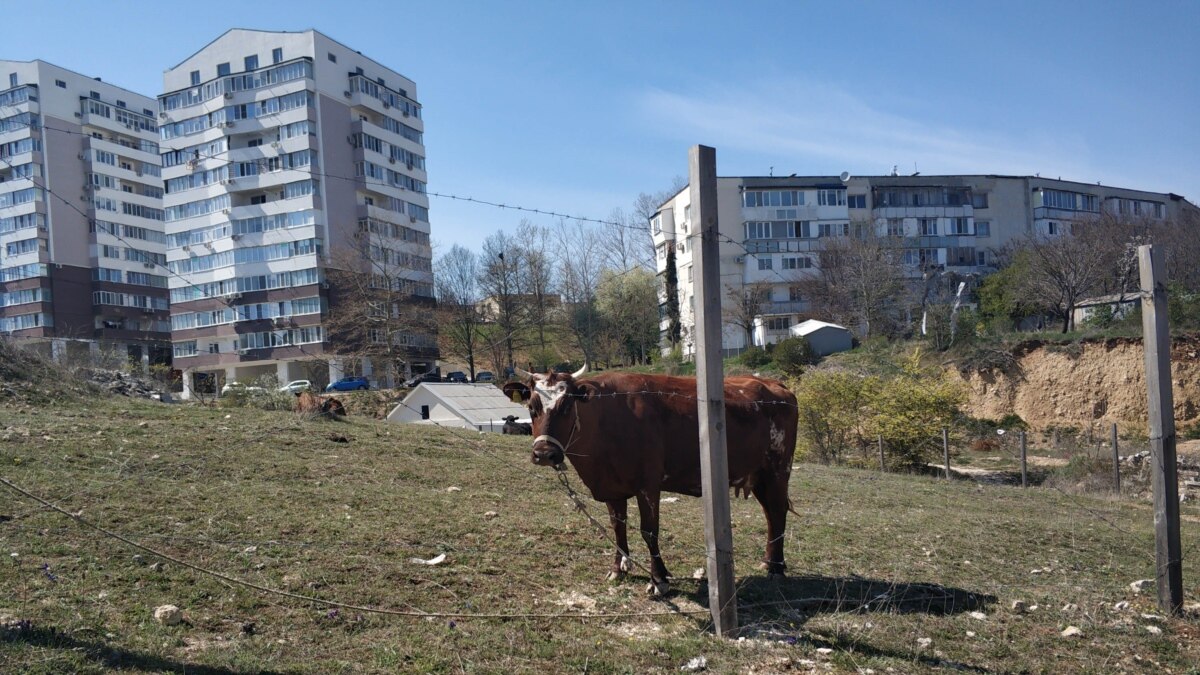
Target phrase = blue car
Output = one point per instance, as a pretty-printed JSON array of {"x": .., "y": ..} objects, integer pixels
[{"x": 349, "y": 384}]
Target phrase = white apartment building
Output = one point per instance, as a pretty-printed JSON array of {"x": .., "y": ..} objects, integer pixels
[
  {"x": 82, "y": 249},
  {"x": 773, "y": 230},
  {"x": 285, "y": 153}
]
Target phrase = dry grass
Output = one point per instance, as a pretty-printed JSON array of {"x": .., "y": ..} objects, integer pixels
[{"x": 880, "y": 561}]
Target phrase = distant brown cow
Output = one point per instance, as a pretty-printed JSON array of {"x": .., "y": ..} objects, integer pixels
[{"x": 631, "y": 435}]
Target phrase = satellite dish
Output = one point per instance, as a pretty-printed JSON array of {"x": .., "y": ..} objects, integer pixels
[{"x": 845, "y": 176}]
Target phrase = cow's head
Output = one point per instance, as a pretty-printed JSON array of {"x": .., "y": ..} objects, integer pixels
[
  {"x": 552, "y": 401},
  {"x": 510, "y": 419}
]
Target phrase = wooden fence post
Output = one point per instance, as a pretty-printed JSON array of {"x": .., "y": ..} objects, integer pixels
[
  {"x": 882, "y": 464},
  {"x": 946, "y": 449},
  {"x": 1024, "y": 454},
  {"x": 1116, "y": 462},
  {"x": 1156, "y": 342}
]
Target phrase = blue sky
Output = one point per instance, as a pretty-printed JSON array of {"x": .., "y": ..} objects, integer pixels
[{"x": 577, "y": 107}]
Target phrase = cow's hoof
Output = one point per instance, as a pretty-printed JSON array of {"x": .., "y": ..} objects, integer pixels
[
  {"x": 616, "y": 575},
  {"x": 658, "y": 589},
  {"x": 626, "y": 564}
]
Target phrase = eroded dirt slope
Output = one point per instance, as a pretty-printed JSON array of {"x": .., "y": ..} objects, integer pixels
[{"x": 1084, "y": 384}]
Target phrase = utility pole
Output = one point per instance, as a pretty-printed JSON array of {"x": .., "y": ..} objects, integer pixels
[
  {"x": 710, "y": 389},
  {"x": 1156, "y": 343}
]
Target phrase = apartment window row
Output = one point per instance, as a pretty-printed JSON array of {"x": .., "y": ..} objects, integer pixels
[
  {"x": 756, "y": 198},
  {"x": 197, "y": 208},
  {"x": 403, "y": 286},
  {"x": 392, "y": 178},
  {"x": 138, "y": 144},
  {"x": 128, "y": 231},
  {"x": 1137, "y": 207},
  {"x": 134, "y": 278},
  {"x": 778, "y": 323},
  {"x": 393, "y": 231},
  {"x": 197, "y": 152},
  {"x": 398, "y": 205},
  {"x": 20, "y": 171},
  {"x": 100, "y": 180},
  {"x": 921, "y": 257},
  {"x": 19, "y": 147},
  {"x": 22, "y": 222},
  {"x": 196, "y": 180},
  {"x": 281, "y": 338},
  {"x": 793, "y": 229},
  {"x": 253, "y": 312},
  {"x": 279, "y": 221},
  {"x": 18, "y": 197},
  {"x": 1070, "y": 201},
  {"x": 120, "y": 115},
  {"x": 226, "y": 116},
  {"x": 397, "y": 127},
  {"x": 257, "y": 80},
  {"x": 19, "y": 121},
  {"x": 128, "y": 300},
  {"x": 24, "y": 321},
  {"x": 390, "y": 256},
  {"x": 184, "y": 349},
  {"x": 261, "y": 282},
  {"x": 24, "y": 297},
  {"x": 285, "y": 162},
  {"x": 922, "y": 196},
  {"x": 391, "y": 97},
  {"x": 831, "y": 197},
  {"x": 16, "y": 96},
  {"x": 22, "y": 246},
  {"x": 18, "y": 272},
  {"x": 796, "y": 262},
  {"x": 250, "y": 254},
  {"x": 394, "y": 153}
]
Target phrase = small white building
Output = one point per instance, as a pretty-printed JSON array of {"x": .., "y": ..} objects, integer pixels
[
  {"x": 482, "y": 407},
  {"x": 1121, "y": 304},
  {"x": 825, "y": 338}
]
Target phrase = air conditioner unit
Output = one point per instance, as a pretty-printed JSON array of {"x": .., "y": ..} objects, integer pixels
[
  {"x": 346, "y": 93},
  {"x": 148, "y": 265},
  {"x": 235, "y": 296},
  {"x": 406, "y": 113},
  {"x": 129, "y": 126},
  {"x": 138, "y": 172},
  {"x": 225, "y": 211},
  {"x": 83, "y": 198},
  {"x": 325, "y": 285},
  {"x": 82, "y": 156},
  {"x": 391, "y": 160},
  {"x": 227, "y": 181},
  {"x": 412, "y": 219},
  {"x": 191, "y": 163},
  {"x": 228, "y": 95},
  {"x": 79, "y": 114},
  {"x": 186, "y": 247},
  {"x": 387, "y": 105},
  {"x": 243, "y": 351},
  {"x": 741, "y": 259},
  {"x": 235, "y": 237},
  {"x": 410, "y": 166},
  {"x": 229, "y": 125},
  {"x": 162, "y": 115},
  {"x": 276, "y": 145}
]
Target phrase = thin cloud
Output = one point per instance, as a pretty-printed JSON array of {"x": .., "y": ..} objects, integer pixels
[{"x": 803, "y": 122}]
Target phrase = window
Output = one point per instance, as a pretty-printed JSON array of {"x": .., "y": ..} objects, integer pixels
[
  {"x": 60, "y": 84},
  {"x": 690, "y": 273},
  {"x": 95, "y": 96},
  {"x": 979, "y": 200},
  {"x": 12, "y": 80},
  {"x": 794, "y": 294},
  {"x": 981, "y": 258},
  {"x": 195, "y": 77},
  {"x": 831, "y": 197},
  {"x": 277, "y": 55},
  {"x": 251, "y": 62},
  {"x": 655, "y": 224},
  {"x": 258, "y": 199},
  {"x": 797, "y": 263},
  {"x": 754, "y": 198},
  {"x": 960, "y": 226},
  {"x": 777, "y": 323},
  {"x": 857, "y": 201},
  {"x": 1052, "y": 228},
  {"x": 223, "y": 69},
  {"x": 332, "y": 57},
  {"x": 120, "y": 103},
  {"x": 833, "y": 229},
  {"x": 766, "y": 263},
  {"x": 927, "y": 227},
  {"x": 983, "y": 228},
  {"x": 895, "y": 227}
]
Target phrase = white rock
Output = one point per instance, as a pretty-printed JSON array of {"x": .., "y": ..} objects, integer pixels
[
  {"x": 168, "y": 615},
  {"x": 971, "y": 633},
  {"x": 1121, "y": 606},
  {"x": 1141, "y": 585},
  {"x": 1019, "y": 606},
  {"x": 1070, "y": 608},
  {"x": 490, "y": 514},
  {"x": 1154, "y": 617},
  {"x": 669, "y": 500},
  {"x": 1153, "y": 630},
  {"x": 436, "y": 560},
  {"x": 695, "y": 665},
  {"x": 699, "y": 573},
  {"x": 824, "y": 651},
  {"x": 1071, "y": 631},
  {"x": 924, "y": 643},
  {"x": 979, "y": 615},
  {"x": 453, "y": 488}
]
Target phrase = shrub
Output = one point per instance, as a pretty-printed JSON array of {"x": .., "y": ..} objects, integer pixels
[
  {"x": 793, "y": 354},
  {"x": 754, "y": 357},
  {"x": 831, "y": 404},
  {"x": 269, "y": 398}
]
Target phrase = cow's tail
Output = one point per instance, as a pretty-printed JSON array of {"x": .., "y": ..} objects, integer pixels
[{"x": 790, "y": 508}]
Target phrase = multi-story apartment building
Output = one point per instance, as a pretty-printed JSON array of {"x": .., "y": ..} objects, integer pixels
[
  {"x": 773, "y": 229},
  {"x": 286, "y": 155},
  {"x": 82, "y": 249}
]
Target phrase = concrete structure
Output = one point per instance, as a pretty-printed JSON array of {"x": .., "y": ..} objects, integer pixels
[
  {"x": 824, "y": 338},
  {"x": 286, "y": 155},
  {"x": 1121, "y": 305},
  {"x": 82, "y": 264},
  {"x": 482, "y": 407},
  {"x": 773, "y": 229}
]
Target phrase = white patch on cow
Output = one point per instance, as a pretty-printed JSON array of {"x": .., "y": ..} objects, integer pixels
[
  {"x": 550, "y": 394},
  {"x": 777, "y": 438},
  {"x": 626, "y": 564}
]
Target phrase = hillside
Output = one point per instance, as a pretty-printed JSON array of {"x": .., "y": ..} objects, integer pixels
[
  {"x": 889, "y": 572},
  {"x": 1084, "y": 383}
]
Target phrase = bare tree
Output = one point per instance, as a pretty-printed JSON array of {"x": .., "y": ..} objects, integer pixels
[
  {"x": 1065, "y": 269},
  {"x": 627, "y": 302},
  {"x": 579, "y": 265},
  {"x": 378, "y": 308},
  {"x": 458, "y": 305},
  {"x": 500, "y": 285},
  {"x": 742, "y": 306},
  {"x": 859, "y": 282},
  {"x": 536, "y": 276}
]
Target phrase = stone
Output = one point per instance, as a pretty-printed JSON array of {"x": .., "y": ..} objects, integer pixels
[
  {"x": 979, "y": 615},
  {"x": 695, "y": 665},
  {"x": 1019, "y": 607},
  {"x": 1071, "y": 631},
  {"x": 453, "y": 488},
  {"x": 1121, "y": 606},
  {"x": 168, "y": 615},
  {"x": 924, "y": 643},
  {"x": 824, "y": 651},
  {"x": 1153, "y": 630},
  {"x": 699, "y": 573},
  {"x": 490, "y": 514},
  {"x": 1070, "y": 608},
  {"x": 1141, "y": 585}
]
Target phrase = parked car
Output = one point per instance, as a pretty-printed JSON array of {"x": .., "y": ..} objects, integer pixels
[
  {"x": 457, "y": 376},
  {"x": 423, "y": 377},
  {"x": 349, "y": 384},
  {"x": 485, "y": 376},
  {"x": 297, "y": 386},
  {"x": 239, "y": 388}
]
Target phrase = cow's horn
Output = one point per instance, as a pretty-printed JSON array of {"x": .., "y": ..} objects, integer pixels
[
  {"x": 522, "y": 373},
  {"x": 580, "y": 372}
]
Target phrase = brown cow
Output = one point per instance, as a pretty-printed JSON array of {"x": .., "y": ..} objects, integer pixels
[{"x": 631, "y": 435}]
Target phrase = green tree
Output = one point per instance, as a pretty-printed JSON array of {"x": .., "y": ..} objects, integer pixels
[{"x": 628, "y": 305}]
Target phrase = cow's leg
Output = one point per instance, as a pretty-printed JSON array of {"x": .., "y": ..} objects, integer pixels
[
  {"x": 771, "y": 493},
  {"x": 618, "y": 513},
  {"x": 648, "y": 512}
]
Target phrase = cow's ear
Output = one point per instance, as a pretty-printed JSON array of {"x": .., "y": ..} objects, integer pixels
[{"x": 587, "y": 391}]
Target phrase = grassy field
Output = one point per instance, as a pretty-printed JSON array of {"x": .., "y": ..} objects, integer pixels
[{"x": 900, "y": 573}]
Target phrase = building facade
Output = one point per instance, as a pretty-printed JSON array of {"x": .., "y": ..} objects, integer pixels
[
  {"x": 82, "y": 248},
  {"x": 773, "y": 230},
  {"x": 287, "y": 156}
]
